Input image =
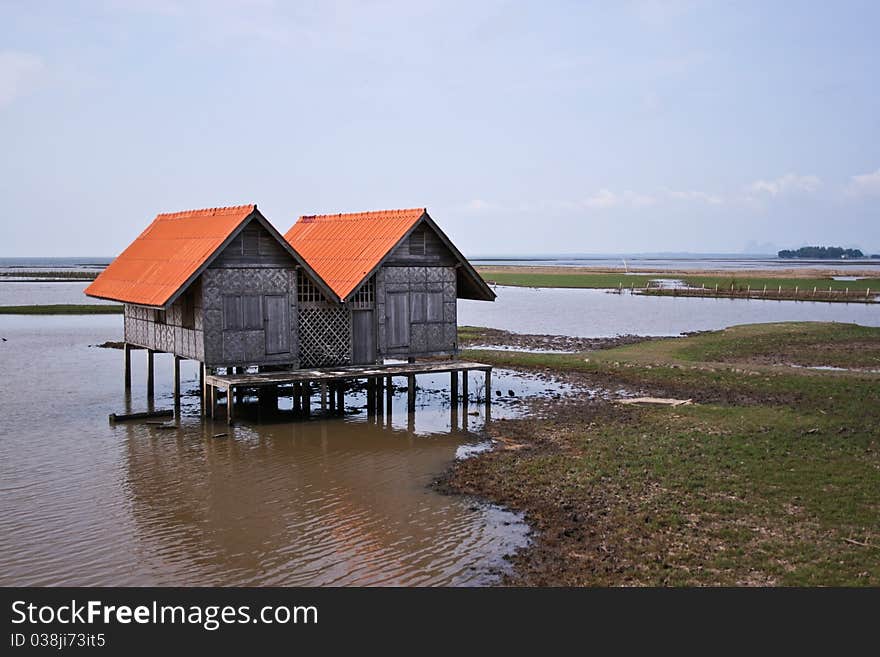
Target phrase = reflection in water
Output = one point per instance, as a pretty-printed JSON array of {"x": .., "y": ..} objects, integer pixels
[{"x": 335, "y": 501}]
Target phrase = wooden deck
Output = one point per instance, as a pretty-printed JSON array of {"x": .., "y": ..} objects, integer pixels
[
  {"x": 225, "y": 381},
  {"x": 329, "y": 379}
]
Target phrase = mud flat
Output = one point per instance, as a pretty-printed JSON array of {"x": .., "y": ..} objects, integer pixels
[{"x": 769, "y": 478}]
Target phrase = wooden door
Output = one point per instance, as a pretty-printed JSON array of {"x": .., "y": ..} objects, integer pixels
[
  {"x": 277, "y": 323},
  {"x": 363, "y": 337},
  {"x": 397, "y": 319}
]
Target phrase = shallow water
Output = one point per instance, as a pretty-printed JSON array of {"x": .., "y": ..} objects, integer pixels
[
  {"x": 598, "y": 313},
  {"x": 320, "y": 502},
  {"x": 25, "y": 293}
]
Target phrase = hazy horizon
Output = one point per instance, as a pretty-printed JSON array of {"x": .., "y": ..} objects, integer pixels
[{"x": 607, "y": 128}]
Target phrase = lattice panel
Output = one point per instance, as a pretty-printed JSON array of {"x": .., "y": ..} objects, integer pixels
[
  {"x": 324, "y": 336},
  {"x": 364, "y": 298}
]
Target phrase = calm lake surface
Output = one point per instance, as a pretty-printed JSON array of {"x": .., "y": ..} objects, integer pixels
[{"x": 320, "y": 502}]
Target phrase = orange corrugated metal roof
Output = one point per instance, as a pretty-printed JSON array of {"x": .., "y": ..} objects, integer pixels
[
  {"x": 164, "y": 257},
  {"x": 344, "y": 248}
]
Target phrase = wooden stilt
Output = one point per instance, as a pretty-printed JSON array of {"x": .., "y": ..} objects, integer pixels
[
  {"x": 464, "y": 400},
  {"x": 150, "y": 353},
  {"x": 230, "y": 403},
  {"x": 211, "y": 401},
  {"x": 453, "y": 414},
  {"x": 379, "y": 381},
  {"x": 488, "y": 387},
  {"x": 340, "y": 397},
  {"x": 177, "y": 360},
  {"x": 453, "y": 387},
  {"x": 371, "y": 396},
  {"x": 323, "y": 396},
  {"x": 204, "y": 390},
  {"x": 389, "y": 394},
  {"x": 306, "y": 398},
  {"x": 297, "y": 397},
  {"x": 127, "y": 373},
  {"x": 411, "y": 392},
  {"x": 332, "y": 391}
]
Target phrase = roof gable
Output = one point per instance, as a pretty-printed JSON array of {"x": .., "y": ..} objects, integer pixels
[
  {"x": 173, "y": 250},
  {"x": 345, "y": 249}
]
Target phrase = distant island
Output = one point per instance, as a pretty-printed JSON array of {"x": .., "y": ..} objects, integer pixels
[{"x": 821, "y": 253}]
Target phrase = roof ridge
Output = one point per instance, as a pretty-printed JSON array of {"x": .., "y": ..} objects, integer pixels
[
  {"x": 362, "y": 215},
  {"x": 228, "y": 209}
]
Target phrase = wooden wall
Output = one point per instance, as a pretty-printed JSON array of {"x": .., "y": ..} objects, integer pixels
[
  {"x": 172, "y": 336},
  {"x": 238, "y": 304},
  {"x": 422, "y": 248},
  {"x": 416, "y": 311}
]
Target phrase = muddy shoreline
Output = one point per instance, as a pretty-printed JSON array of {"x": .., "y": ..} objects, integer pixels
[
  {"x": 480, "y": 337},
  {"x": 623, "y": 495}
]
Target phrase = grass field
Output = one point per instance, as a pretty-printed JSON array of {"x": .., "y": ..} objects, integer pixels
[
  {"x": 771, "y": 477},
  {"x": 63, "y": 309},
  {"x": 606, "y": 280}
]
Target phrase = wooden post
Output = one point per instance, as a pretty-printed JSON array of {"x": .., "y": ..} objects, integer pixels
[
  {"x": 296, "y": 397},
  {"x": 127, "y": 373},
  {"x": 211, "y": 401},
  {"x": 488, "y": 387},
  {"x": 323, "y": 395},
  {"x": 340, "y": 396},
  {"x": 411, "y": 392},
  {"x": 177, "y": 381},
  {"x": 379, "y": 410},
  {"x": 230, "y": 403},
  {"x": 453, "y": 387},
  {"x": 150, "y": 353},
  {"x": 371, "y": 396},
  {"x": 332, "y": 391},
  {"x": 389, "y": 394},
  {"x": 306, "y": 398},
  {"x": 202, "y": 372},
  {"x": 464, "y": 385}
]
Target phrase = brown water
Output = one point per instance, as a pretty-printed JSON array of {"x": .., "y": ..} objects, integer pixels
[{"x": 333, "y": 501}]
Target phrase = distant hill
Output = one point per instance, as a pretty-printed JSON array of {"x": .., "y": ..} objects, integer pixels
[{"x": 821, "y": 253}]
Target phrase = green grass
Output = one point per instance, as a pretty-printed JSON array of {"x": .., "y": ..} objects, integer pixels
[
  {"x": 63, "y": 309},
  {"x": 597, "y": 280},
  {"x": 607, "y": 281},
  {"x": 771, "y": 478}
]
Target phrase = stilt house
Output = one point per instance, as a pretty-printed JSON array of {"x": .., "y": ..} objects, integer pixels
[
  {"x": 397, "y": 276},
  {"x": 216, "y": 285}
]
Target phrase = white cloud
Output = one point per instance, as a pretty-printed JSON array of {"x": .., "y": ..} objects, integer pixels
[
  {"x": 18, "y": 71},
  {"x": 866, "y": 184},
  {"x": 694, "y": 196},
  {"x": 478, "y": 204},
  {"x": 605, "y": 198},
  {"x": 787, "y": 184}
]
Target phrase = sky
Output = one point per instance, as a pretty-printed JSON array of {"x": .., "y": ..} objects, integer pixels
[{"x": 523, "y": 127}]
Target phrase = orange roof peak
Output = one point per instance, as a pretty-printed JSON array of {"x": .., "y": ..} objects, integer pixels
[
  {"x": 208, "y": 212},
  {"x": 344, "y": 248},
  {"x": 167, "y": 254},
  {"x": 372, "y": 214}
]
